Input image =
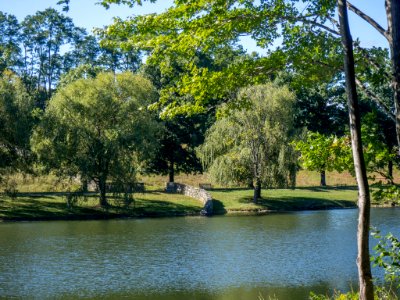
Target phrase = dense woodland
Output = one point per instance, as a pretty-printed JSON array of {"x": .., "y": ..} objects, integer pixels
[{"x": 175, "y": 92}]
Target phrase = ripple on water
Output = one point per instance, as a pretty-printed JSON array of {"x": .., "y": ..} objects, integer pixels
[{"x": 209, "y": 258}]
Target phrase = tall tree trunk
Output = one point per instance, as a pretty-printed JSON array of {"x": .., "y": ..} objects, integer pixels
[
  {"x": 393, "y": 19},
  {"x": 323, "y": 178},
  {"x": 257, "y": 190},
  {"x": 171, "y": 171},
  {"x": 363, "y": 259}
]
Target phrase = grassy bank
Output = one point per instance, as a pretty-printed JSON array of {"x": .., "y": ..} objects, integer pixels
[
  {"x": 51, "y": 206},
  {"x": 305, "y": 198}
]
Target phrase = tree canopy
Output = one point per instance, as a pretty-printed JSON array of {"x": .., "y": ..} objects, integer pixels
[
  {"x": 252, "y": 145},
  {"x": 99, "y": 128},
  {"x": 16, "y": 119}
]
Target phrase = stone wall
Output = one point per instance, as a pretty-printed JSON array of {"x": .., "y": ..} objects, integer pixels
[{"x": 193, "y": 192}]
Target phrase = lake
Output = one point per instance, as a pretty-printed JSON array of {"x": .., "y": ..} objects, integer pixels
[{"x": 286, "y": 255}]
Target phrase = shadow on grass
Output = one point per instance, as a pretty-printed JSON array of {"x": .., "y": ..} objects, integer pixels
[
  {"x": 33, "y": 208},
  {"x": 229, "y": 189},
  {"x": 294, "y": 203},
  {"x": 309, "y": 188},
  {"x": 218, "y": 207},
  {"x": 328, "y": 188},
  {"x": 157, "y": 208},
  {"x": 52, "y": 206}
]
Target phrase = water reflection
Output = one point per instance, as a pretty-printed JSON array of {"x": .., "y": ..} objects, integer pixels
[{"x": 286, "y": 255}]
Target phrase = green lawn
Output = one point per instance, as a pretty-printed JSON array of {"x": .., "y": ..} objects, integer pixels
[
  {"x": 49, "y": 206},
  {"x": 237, "y": 200}
]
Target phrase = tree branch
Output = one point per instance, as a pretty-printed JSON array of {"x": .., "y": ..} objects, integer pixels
[
  {"x": 376, "y": 98},
  {"x": 369, "y": 20},
  {"x": 371, "y": 60},
  {"x": 306, "y": 21}
]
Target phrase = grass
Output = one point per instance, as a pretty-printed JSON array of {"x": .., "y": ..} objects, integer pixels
[
  {"x": 50, "y": 183},
  {"x": 241, "y": 200},
  {"x": 304, "y": 179},
  {"x": 52, "y": 206},
  {"x": 42, "y": 198}
]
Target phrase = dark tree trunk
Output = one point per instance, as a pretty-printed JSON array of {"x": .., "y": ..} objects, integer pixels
[
  {"x": 257, "y": 190},
  {"x": 171, "y": 171},
  {"x": 393, "y": 18},
  {"x": 102, "y": 188},
  {"x": 323, "y": 178},
  {"x": 250, "y": 184},
  {"x": 84, "y": 184},
  {"x": 363, "y": 259},
  {"x": 390, "y": 172}
]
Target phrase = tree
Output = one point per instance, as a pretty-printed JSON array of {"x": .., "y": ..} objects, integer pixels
[
  {"x": 324, "y": 153},
  {"x": 253, "y": 141},
  {"x": 9, "y": 42},
  {"x": 43, "y": 36},
  {"x": 17, "y": 120},
  {"x": 321, "y": 110},
  {"x": 186, "y": 27},
  {"x": 176, "y": 153},
  {"x": 321, "y": 152},
  {"x": 364, "y": 202},
  {"x": 392, "y": 34},
  {"x": 99, "y": 128},
  {"x": 184, "y": 132}
]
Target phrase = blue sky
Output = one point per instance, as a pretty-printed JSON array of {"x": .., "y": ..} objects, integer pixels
[{"x": 86, "y": 14}]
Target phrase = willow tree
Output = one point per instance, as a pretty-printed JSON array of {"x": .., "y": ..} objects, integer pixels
[
  {"x": 99, "y": 128},
  {"x": 252, "y": 142}
]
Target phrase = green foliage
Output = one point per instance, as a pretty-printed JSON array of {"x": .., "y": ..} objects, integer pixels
[
  {"x": 82, "y": 71},
  {"x": 322, "y": 152},
  {"x": 9, "y": 42},
  {"x": 336, "y": 296},
  {"x": 321, "y": 108},
  {"x": 10, "y": 188},
  {"x": 98, "y": 128},
  {"x": 386, "y": 193},
  {"x": 184, "y": 30},
  {"x": 388, "y": 256},
  {"x": 16, "y": 119},
  {"x": 381, "y": 293},
  {"x": 319, "y": 152},
  {"x": 252, "y": 143},
  {"x": 377, "y": 153},
  {"x": 73, "y": 198}
]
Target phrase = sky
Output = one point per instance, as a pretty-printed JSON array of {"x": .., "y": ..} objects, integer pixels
[{"x": 85, "y": 13}]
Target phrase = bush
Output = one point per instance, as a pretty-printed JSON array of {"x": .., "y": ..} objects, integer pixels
[
  {"x": 72, "y": 198},
  {"x": 11, "y": 188},
  {"x": 388, "y": 257}
]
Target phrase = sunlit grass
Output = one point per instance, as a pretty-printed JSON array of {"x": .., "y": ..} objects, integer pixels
[
  {"x": 43, "y": 198},
  {"x": 47, "y": 206},
  {"x": 232, "y": 200}
]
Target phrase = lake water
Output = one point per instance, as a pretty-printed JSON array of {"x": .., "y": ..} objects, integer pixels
[{"x": 286, "y": 255}]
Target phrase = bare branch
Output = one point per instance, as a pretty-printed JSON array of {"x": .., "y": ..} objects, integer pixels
[{"x": 369, "y": 20}]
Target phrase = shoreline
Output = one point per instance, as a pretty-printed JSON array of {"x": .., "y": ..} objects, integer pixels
[
  {"x": 51, "y": 206},
  {"x": 150, "y": 215}
]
